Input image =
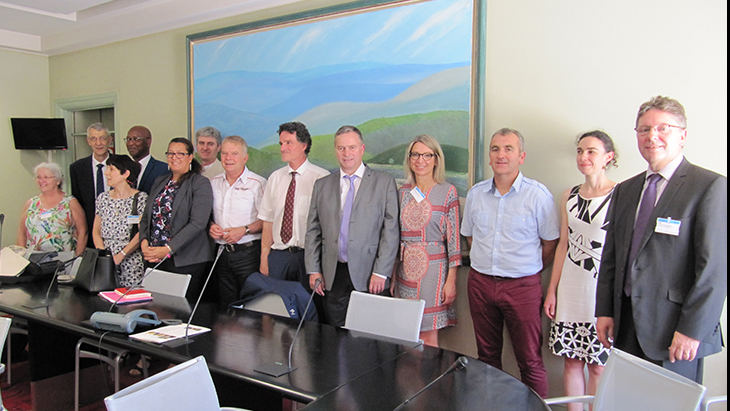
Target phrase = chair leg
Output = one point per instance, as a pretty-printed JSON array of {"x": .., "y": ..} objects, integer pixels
[
  {"x": 76, "y": 375},
  {"x": 8, "y": 360}
]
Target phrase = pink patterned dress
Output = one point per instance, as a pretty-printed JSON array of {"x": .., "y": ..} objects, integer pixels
[{"x": 430, "y": 245}]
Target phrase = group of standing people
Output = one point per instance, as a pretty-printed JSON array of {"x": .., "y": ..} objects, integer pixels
[{"x": 639, "y": 265}]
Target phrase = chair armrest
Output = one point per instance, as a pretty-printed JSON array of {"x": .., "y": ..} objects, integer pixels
[
  {"x": 585, "y": 399},
  {"x": 709, "y": 400}
]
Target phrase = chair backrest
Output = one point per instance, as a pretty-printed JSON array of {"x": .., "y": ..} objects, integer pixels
[
  {"x": 4, "y": 329},
  {"x": 631, "y": 383},
  {"x": 186, "y": 386},
  {"x": 396, "y": 318},
  {"x": 166, "y": 283},
  {"x": 268, "y": 303}
]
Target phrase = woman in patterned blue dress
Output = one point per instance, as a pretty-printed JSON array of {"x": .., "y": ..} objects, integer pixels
[{"x": 570, "y": 298}]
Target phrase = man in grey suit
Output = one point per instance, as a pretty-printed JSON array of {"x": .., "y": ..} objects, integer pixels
[
  {"x": 352, "y": 229},
  {"x": 663, "y": 276}
]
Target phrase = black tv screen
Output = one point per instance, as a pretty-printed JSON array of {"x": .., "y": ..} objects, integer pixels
[{"x": 39, "y": 133}]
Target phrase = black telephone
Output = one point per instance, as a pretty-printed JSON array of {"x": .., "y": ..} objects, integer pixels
[{"x": 124, "y": 323}]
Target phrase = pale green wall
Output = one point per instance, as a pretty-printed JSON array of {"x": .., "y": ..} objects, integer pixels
[
  {"x": 554, "y": 69},
  {"x": 24, "y": 92}
]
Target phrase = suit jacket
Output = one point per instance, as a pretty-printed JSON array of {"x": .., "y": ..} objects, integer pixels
[
  {"x": 679, "y": 283},
  {"x": 191, "y": 211},
  {"x": 373, "y": 234},
  {"x": 83, "y": 188},
  {"x": 154, "y": 169}
]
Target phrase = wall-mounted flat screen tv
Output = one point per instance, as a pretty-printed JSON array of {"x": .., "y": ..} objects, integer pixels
[{"x": 39, "y": 133}]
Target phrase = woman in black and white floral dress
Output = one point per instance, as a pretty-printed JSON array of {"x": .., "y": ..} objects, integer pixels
[{"x": 116, "y": 223}]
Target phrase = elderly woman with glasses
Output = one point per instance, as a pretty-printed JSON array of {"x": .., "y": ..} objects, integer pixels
[
  {"x": 430, "y": 246},
  {"x": 175, "y": 220},
  {"x": 52, "y": 220}
]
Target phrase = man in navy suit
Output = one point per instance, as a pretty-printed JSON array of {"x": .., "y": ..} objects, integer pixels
[
  {"x": 353, "y": 230},
  {"x": 139, "y": 140},
  {"x": 87, "y": 174},
  {"x": 663, "y": 276}
]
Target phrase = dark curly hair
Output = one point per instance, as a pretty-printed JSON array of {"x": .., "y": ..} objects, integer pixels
[{"x": 300, "y": 130}]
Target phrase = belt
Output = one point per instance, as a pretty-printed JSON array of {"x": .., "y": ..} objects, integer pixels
[
  {"x": 240, "y": 247},
  {"x": 292, "y": 249}
]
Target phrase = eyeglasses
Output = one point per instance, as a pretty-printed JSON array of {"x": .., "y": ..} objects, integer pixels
[
  {"x": 100, "y": 138},
  {"x": 425, "y": 156},
  {"x": 40, "y": 178},
  {"x": 662, "y": 129},
  {"x": 178, "y": 156},
  {"x": 135, "y": 139}
]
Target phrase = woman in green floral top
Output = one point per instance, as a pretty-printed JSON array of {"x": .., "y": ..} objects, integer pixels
[{"x": 52, "y": 221}]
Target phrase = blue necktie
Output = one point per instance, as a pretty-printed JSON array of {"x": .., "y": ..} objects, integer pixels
[
  {"x": 346, "y": 212},
  {"x": 99, "y": 179},
  {"x": 642, "y": 221}
]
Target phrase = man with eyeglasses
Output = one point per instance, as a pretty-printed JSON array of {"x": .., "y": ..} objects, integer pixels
[
  {"x": 87, "y": 174},
  {"x": 138, "y": 140},
  {"x": 511, "y": 225},
  {"x": 663, "y": 276}
]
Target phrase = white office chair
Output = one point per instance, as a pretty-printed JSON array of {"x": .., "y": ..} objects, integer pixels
[
  {"x": 4, "y": 328},
  {"x": 184, "y": 387},
  {"x": 157, "y": 281},
  {"x": 269, "y": 303},
  {"x": 629, "y": 383},
  {"x": 711, "y": 400},
  {"x": 393, "y": 318}
]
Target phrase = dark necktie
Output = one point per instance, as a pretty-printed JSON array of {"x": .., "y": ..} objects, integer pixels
[
  {"x": 642, "y": 221},
  {"x": 99, "y": 179},
  {"x": 288, "y": 220},
  {"x": 345, "y": 224}
]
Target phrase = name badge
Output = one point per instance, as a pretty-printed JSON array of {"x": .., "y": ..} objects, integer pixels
[
  {"x": 417, "y": 194},
  {"x": 667, "y": 226},
  {"x": 46, "y": 215},
  {"x": 132, "y": 219}
]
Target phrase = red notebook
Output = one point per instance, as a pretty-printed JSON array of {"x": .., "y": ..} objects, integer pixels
[
  {"x": 113, "y": 296},
  {"x": 135, "y": 291}
]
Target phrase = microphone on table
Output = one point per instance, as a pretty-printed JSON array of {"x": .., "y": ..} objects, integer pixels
[
  {"x": 138, "y": 282},
  {"x": 459, "y": 364},
  {"x": 187, "y": 326},
  {"x": 107, "y": 320},
  {"x": 44, "y": 302},
  {"x": 279, "y": 369}
]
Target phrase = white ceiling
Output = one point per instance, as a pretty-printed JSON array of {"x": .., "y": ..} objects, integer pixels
[{"x": 52, "y": 27}]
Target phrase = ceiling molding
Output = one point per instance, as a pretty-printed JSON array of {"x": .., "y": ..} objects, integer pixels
[{"x": 36, "y": 25}]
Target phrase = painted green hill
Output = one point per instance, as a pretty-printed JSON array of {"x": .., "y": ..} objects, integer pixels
[{"x": 385, "y": 139}]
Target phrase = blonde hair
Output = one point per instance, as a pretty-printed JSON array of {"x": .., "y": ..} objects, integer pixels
[{"x": 439, "y": 169}]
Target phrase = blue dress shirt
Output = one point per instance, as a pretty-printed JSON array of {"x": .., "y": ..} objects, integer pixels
[{"x": 506, "y": 229}]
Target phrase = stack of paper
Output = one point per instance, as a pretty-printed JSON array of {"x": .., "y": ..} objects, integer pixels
[
  {"x": 168, "y": 333},
  {"x": 133, "y": 296}
]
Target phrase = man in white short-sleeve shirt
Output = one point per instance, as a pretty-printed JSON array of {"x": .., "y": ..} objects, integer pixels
[{"x": 237, "y": 195}]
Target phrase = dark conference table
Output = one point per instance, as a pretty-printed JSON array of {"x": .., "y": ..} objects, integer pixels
[{"x": 334, "y": 367}]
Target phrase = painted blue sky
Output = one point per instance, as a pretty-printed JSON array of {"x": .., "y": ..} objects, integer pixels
[{"x": 427, "y": 33}]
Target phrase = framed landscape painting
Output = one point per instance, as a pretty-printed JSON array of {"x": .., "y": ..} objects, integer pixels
[{"x": 394, "y": 70}]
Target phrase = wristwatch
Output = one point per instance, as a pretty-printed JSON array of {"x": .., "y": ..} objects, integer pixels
[{"x": 247, "y": 230}]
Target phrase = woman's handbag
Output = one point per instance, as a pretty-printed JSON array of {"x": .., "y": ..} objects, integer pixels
[{"x": 96, "y": 271}]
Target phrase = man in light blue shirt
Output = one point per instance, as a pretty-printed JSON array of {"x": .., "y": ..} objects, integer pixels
[{"x": 511, "y": 225}]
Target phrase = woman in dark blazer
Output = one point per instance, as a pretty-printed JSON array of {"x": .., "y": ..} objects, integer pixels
[{"x": 175, "y": 221}]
